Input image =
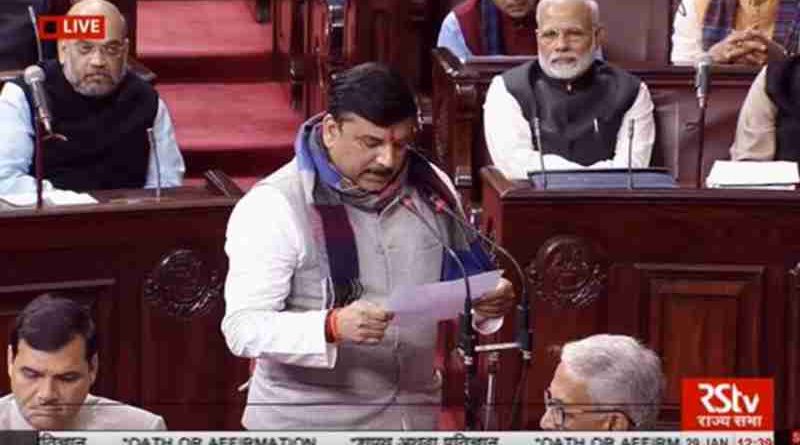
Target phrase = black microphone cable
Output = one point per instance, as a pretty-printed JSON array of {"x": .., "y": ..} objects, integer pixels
[
  {"x": 524, "y": 333},
  {"x": 467, "y": 340}
]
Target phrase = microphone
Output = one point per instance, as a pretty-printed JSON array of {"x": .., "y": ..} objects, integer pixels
[
  {"x": 467, "y": 341},
  {"x": 524, "y": 332},
  {"x": 524, "y": 339},
  {"x": 32, "y": 16},
  {"x": 537, "y": 132},
  {"x": 151, "y": 139},
  {"x": 34, "y": 76},
  {"x": 631, "y": 130},
  {"x": 702, "y": 82},
  {"x": 702, "y": 79}
]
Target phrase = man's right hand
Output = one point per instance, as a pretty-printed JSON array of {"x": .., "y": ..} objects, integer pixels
[{"x": 362, "y": 322}]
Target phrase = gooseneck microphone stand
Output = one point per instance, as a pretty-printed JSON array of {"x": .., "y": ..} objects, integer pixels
[
  {"x": 702, "y": 87},
  {"x": 37, "y": 162},
  {"x": 467, "y": 338},
  {"x": 524, "y": 334},
  {"x": 701, "y": 133}
]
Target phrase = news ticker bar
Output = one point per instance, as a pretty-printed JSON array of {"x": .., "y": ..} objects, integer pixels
[{"x": 385, "y": 438}]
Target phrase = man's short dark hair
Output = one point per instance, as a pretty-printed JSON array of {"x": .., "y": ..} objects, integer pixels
[
  {"x": 50, "y": 322},
  {"x": 373, "y": 92}
]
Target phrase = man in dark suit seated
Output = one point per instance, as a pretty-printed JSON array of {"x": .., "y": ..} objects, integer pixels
[
  {"x": 489, "y": 27},
  {"x": 102, "y": 109}
]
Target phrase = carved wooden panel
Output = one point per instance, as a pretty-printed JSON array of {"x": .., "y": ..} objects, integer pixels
[
  {"x": 702, "y": 320},
  {"x": 184, "y": 284},
  {"x": 702, "y": 276},
  {"x": 192, "y": 377},
  {"x": 158, "y": 315},
  {"x": 567, "y": 272}
]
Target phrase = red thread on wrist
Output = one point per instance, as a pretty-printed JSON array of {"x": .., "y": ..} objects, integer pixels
[
  {"x": 335, "y": 326},
  {"x": 329, "y": 334},
  {"x": 332, "y": 326}
]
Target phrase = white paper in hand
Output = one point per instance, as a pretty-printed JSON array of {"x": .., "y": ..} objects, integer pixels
[{"x": 437, "y": 301}]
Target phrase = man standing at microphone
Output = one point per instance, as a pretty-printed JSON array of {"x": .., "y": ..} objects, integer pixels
[
  {"x": 101, "y": 108},
  {"x": 316, "y": 249}
]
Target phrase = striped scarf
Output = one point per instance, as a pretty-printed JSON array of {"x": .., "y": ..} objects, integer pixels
[
  {"x": 328, "y": 193},
  {"x": 720, "y": 19}
]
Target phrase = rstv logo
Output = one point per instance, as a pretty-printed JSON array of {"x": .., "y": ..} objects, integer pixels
[
  {"x": 727, "y": 398},
  {"x": 727, "y": 404}
]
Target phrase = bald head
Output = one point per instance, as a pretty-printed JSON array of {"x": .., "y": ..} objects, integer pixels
[
  {"x": 585, "y": 9},
  {"x": 116, "y": 28},
  {"x": 96, "y": 67}
]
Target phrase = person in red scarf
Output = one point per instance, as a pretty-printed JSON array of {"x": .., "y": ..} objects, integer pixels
[{"x": 490, "y": 27}]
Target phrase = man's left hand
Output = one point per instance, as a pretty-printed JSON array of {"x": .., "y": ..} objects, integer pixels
[
  {"x": 765, "y": 49},
  {"x": 497, "y": 302}
]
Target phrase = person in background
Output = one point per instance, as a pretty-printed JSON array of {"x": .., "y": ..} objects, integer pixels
[
  {"x": 584, "y": 106},
  {"x": 746, "y": 32},
  {"x": 101, "y": 108},
  {"x": 768, "y": 127},
  {"x": 604, "y": 382},
  {"x": 489, "y": 27},
  {"x": 52, "y": 364}
]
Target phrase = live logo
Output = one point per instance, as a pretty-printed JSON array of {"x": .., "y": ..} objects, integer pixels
[{"x": 73, "y": 27}]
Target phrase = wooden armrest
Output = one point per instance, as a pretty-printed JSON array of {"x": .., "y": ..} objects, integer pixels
[
  {"x": 9, "y": 75},
  {"x": 140, "y": 70}
]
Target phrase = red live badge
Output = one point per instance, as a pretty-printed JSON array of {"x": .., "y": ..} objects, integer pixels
[{"x": 76, "y": 27}]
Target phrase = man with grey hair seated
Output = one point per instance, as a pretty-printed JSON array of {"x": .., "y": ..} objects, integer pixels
[
  {"x": 604, "y": 382},
  {"x": 584, "y": 106}
]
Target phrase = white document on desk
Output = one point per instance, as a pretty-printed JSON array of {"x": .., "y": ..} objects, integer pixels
[
  {"x": 437, "y": 301},
  {"x": 753, "y": 174},
  {"x": 50, "y": 197}
]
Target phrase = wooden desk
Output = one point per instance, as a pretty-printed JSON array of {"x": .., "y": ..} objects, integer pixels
[
  {"x": 152, "y": 274},
  {"x": 707, "y": 278},
  {"x": 459, "y": 90}
]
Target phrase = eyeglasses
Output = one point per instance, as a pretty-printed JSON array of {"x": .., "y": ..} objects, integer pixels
[
  {"x": 113, "y": 49},
  {"x": 560, "y": 411},
  {"x": 571, "y": 35}
]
